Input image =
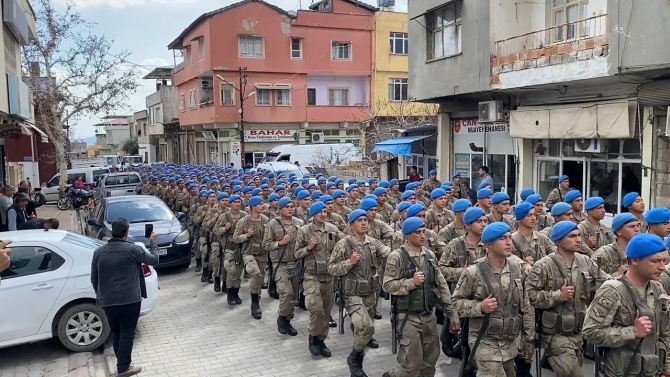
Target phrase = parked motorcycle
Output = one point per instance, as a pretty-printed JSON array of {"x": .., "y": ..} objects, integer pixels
[{"x": 74, "y": 198}]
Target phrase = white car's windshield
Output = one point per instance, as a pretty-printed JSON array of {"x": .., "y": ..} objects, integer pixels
[
  {"x": 112, "y": 160},
  {"x": 83, "y": 241}
]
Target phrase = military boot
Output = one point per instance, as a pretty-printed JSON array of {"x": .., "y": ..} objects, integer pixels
[
  {"x": 323, "y": 349},
  {"x": 198, "y": 265},
  {"x": 331, "y": 322},
  {"x": 313, "y": 346},
  {"x": 373, "y": 343},
  {"x": 210, "y": 280},
  {"x": 224, "y": 288},
  {"x": 290, "y": 330},
  {"x": 217, "y": 284},
  {"x": 256, "y": 307},
  {"x": 355, "y": 363},
  {"x": 377, "y": 315},
  {"x": 231, "y": 297},
  {"x": 282, "y": 325},
  {"x": 203, "y": 277},
  {"x": 238, "y": 300}
]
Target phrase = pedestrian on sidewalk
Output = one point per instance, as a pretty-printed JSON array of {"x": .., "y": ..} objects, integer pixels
[{"x": 118, "y": 280}]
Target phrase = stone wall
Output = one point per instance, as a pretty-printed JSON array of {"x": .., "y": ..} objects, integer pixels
[{"x": 662, "y": 172}]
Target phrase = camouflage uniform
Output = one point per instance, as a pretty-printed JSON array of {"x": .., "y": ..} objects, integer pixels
[
  {"x": 556, "y": 195},
  {"x": 385, "y": 212},
  {"x": 199, "y": 216},
  {"x": 271, "y": 213},
  {"x": 458, "y": 255},
  {"x": 225, "y": 237},
  {"x": 609, "y": 325},
  {"x": 457, "y": 191},
  {"x": 611, "y": 258},
  {"x": 211, "y": 214},
  {"x": 438, "y": 220},
  {"x": 602, "y": 233},
  {"x": 562, "y": 321},
  {"x": 304, "y": 216},
  {"x": 393, "y": 198},
  {"x": 665, "y": 279},
  {"x": 429, "y": 185},
  {"x": 578, "y": 217},
  {"x": 505, "y": 219},
  {"x": 352, "y": 204},
  {"x": 212, "y": 223},
  {"x": 343, "y": 211},
  {"x": 451, "y": 232},
  {"x": 537, "y": 247},
  {"x": 337, "y": 220},
  {"x": 513, "y": 318},
  {"x": 543, "y": 221},
  {"x": 256, "y": 257}
]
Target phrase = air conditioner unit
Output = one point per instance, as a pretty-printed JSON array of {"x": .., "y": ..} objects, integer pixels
[
  {"x": 588, "y": 146},
  {"x": 317, "y": 137},
  {"x": 490, "y": 111},
  {"x": 205, "y": 84}
]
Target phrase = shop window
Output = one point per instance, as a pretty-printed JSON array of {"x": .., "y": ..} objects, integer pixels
[
  {"x": 547, "y": 174},
  {"x": 476, "y": 161},
  {"x": 496, "y": 164},
  {"x": 631, "y": 149},
  {"x": 554, "y": 148},
  {"x": 604, "y": 182}
]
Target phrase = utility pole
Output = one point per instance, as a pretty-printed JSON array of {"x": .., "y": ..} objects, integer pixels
[{"x": 242, "y": 91}]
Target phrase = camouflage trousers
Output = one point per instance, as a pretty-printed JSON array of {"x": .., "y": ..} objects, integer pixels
[
  {"x": 361, "y": 310},
  {"x": 378, "y": 292},
  {"x": 565, "y": 360},
  {"x": 233, "y": 271},
  {"x": 216, "y": 259},
  {"x": 419, "y": 346},
  {"x": 202, "y": 251},
  {"x": 495, "y": 368},
  {"x": 319, "y": 303},
  {"x": 256, "y": 270},
  {"x": 287, "y": 287}
]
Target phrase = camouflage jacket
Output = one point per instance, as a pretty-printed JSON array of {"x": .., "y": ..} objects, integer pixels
[
  {"x": 223, "y": 235},
  {"x": 256, "y": 240},
  {"x": 451, "y": 232},
  {"x": 602, "y": 233},
  {"x": 458, "y": 255},
  {"x": 274, "y": 232},
  {"x": 537, "y": 247},
  {"x": 315, "y": 261},
  {"x": 438, "y": 220},
  {"x": 556, "y": 195}
]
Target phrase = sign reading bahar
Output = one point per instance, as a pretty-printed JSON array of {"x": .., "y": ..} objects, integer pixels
[{"x": 270, "y": 136}]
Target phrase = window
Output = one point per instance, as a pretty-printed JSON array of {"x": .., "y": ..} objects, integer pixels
[
  {"x": 338, "y": 97},
  {"x": 263, "y": 97},
  {"x": 201, "y": 48},
  {"x": 138, "y": 211},
  {"x": 158, "y": 114},
  {"x": 398, "y": 90},
  {"x": 251, "y": 46},
  {"x": 30, "y": 260},
  {"x": 444, "y": 28},
  {"x": 188, "y": 55},
  {"x": 283, "y": 96},
  {"x": 341, "y": 51},
  {"x": 227, "y": 94},
  {"x": 296, "y": 48},
  {"x": 566, "y": 14},
  {"x": 311, "y": 96},
  {"x": 182, "y": 103},
  {"x": 399, "y": 44},
  {"x": 191, "y": 100}
]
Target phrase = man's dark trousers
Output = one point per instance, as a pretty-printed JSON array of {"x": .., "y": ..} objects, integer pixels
[{"x": 123, "y": 324}]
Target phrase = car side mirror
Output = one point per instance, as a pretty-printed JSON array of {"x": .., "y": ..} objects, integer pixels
[
  {"x": 181, "y": 216},
  {"x": 93, "y": 222},
  {"x": 49, "y": 184}
]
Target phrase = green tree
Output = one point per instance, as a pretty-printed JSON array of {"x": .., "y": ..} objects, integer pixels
[{"x": 130, "y": 147}]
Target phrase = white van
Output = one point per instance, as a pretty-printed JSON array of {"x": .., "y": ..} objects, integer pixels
[
  {"x": 314, "y": 154},
  {"x": 90, "y": 176}
]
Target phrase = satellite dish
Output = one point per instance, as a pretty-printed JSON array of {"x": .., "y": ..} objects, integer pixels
[{"x": 292, "y": 13}]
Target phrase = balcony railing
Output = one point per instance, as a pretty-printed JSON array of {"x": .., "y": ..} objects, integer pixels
[{"x": 579, "y": 32}]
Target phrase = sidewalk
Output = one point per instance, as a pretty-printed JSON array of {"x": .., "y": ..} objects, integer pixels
[{"x": 66, "y": 218}]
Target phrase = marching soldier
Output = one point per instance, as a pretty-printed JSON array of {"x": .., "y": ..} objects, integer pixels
[
  {"x": 249, "y": 231},
  {"x": 484, "y": 199},
  {"x": 613, "y": 256},
  {"x": 394, "y": 193},
  {"x": 560, "y": 211},
  {"x": 628, "y": 315},
  {"x": 352, "y": 200},
  {"x": 279, "y": 241},
  {"x": 314, "y": 245},
  {"x": 560, "y": 285},
  {"x": 433, "y": 242},
  {"x": 338, "y": 205},
  {"x": 358, "y": 258},
  {"x": 658, "y": 221},
  {"x": 303, "y": 202},
  {"x": 206, "y": 221},
  {"x": 490, "y": 293},
  {"x": 216, "y": 254},
  {"x": 331, "y": 216},
  {"x": 223, "y": 233},
  {"x": 558, "y": 194},
  {"x": 384, "y": 210},
  {"x": 574, "y": 198},
  {"x": 438, "y": 216},
  {"x": 595, "y": 234},
  {"x": 635, "y": 205},
  {"x": 430, "y": 184},
  {"x": 542, "y": 220},
  {"x": 457, "y": 228},
  {"x": 527, "y": 243},
  {"x": 412, "y": 277},
  {"x": 198, "y": 210},
  {"x": 501, "y": 203},
  {"x": 464, "y": 250}
]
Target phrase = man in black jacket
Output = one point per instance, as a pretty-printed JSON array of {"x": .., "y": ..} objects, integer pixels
[{"x": 118, "y": 280}]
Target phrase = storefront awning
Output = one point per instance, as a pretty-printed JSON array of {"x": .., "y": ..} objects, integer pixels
[
  {"x": 400, "y": 145},
  {"x": 601, "y": 120}
]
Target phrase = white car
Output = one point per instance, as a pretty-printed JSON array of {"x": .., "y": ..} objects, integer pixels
[{"x": 46, "y": 291}]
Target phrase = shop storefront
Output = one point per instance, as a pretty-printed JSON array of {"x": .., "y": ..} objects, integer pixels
[
  {"x": 258, "y": 141},
  {"x": 476, "y": 144}
]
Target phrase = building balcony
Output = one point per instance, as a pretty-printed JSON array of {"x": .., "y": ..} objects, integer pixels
[
  {"x": 166, "y": 97},
  {"x": 156, "y": 129},
  {"x": 571, "y": 51},
  {"x": 20, "y": 98}
]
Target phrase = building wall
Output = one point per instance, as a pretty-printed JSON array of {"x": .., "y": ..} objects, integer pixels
[{"x": 358, "y": 88}]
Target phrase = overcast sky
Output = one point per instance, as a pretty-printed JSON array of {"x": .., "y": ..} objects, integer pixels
[{"x": 145, "y": 27}]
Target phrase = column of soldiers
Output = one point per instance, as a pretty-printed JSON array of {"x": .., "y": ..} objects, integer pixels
[{"x": 519, "y": 283}]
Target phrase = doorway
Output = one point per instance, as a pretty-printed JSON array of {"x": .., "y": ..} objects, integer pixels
[
  {"x": 574, "y": 170},
  {"x": 511, "y": 176}
]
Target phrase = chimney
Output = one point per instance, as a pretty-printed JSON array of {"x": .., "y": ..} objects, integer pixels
[{"x": 35, "y": 69}]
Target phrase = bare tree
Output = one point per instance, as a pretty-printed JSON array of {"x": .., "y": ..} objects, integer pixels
[
  {"x": 385, "y": 120},
  {"x": 78, "y": 75},
  {"x": 335, "y": 155}
]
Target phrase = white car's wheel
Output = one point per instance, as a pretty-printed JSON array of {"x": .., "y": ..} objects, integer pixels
[{"x": 83, "y": 328}]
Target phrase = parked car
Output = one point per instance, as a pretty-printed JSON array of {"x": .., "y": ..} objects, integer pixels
[
  {"x": 46, "y": 291},
  {"x": 117, "y": 184},
  {"x": 173, "y": 237},
  {"x": 89, "y": 175}
]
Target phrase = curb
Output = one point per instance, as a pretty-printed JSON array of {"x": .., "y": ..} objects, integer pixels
[{"x": 109, "y": 363}]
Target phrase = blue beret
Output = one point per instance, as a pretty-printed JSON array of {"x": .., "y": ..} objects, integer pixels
[
  {"x": 321, "y": 180},
  {"x": 563, "y": 178},
  {"x": 271, "y": 175},
  {"x": 384, "y": 184},
  {"x": 255, "y": 200},
  {"x": 234, "y": 198},
  {"x": 316, "y": 207},
  {"x": 221, "y": 196},
  {"x": 280, "y": 188},
  {"x": 329, "y": 185},
  {"x": 414, "y": 209},
  {"x": 457, "y": 174},
  {"x": 274, "y": 196},
  {"x": 494, "y": 231},
  {"x": 304, "y": 181},
  {"x": 643, "y": 245},
  {"x": 446, "y": 188},
  {"x": 521, "y": 210},
  {"x": 622, "y": 219},
  {"x": 326, "y": 198},
  {"x": 403, "y": 206},
  {"x": 316, "y": 194},
  {"x": 393, "y": 182},
  {"x": 256, "y": 191},
  {"x": 562, "y": 229},
  {"x": 461, "y": 205},
  {"x": 367, "y": 204},
  {"x": 351, "y": 181},
  {"x": 411, "y": 225},
  {"x": 302, "y": 194},
  {"x": 351, "y": 187},
  {"x": 657, "y": 215},
  {"x": 264, "y": 186},
  {"x": 338, "y": 181},
  {"x": 412, "y": 185},
  {"x": 237, "y": 188},
  {"x": 379, "y": 191},
  {"x": 407, "y": 194},
  {"x": 246, "y": 189},
  {"x": 533, "y": 199},
  {"x": 297, "y": 190},
  {"x": 432, "y": 171},
  {"x": 499, "y": 197},
  {"x": 482, "y": 185},
  {"x": 370, "y": 196},
  {"x": 283, "y": 202},
  {"x": 526, "y": 192},
  {"x": 371, "y": 181},
  {"x": 560, "y": 208},
  {"x": 437, "y": 193},
  {"x": 484, "y": 193},
  {"x": 356, "y": 214},
  {"x": 571, "y": 195},
  {"x": 472, "y": 214},
  {"x": 629, "y": 199},
  {"x": 202, "y": 193},
  {"x": 337, "y": 193},
  {"x": 593, "y": 202}
]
